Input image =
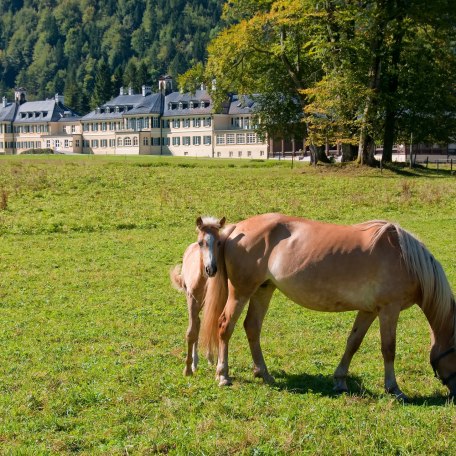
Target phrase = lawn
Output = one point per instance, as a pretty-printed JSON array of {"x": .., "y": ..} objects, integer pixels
[{"x": 92, "y": 334}]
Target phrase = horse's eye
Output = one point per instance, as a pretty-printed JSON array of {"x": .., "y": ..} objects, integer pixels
[
  {"x": 218, "y": 243},
  {"x": 200, "y": 243}
]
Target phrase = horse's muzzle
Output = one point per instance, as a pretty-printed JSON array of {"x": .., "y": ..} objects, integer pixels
[{"x": 211, "y": 270}]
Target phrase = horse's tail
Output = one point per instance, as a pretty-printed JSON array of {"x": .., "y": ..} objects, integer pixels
[
  {"x": 215, "y": 297},
  {"x": 437, "y": 297},
  {"x": 176, "y": 277}
]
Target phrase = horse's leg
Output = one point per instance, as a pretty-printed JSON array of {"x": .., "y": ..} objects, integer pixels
[
  {"x": 227, "y": 322},
  {"x": 192, "y": 335},
  {"x": 362, "y": 323},
  {"x": 388, "y": 317},
  {"x": 258, "y": 306}
]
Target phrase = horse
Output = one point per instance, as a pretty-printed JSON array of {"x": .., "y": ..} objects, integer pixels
[
  {"x": 190, "y": 277},
  {"x": 375, "y": 268}
]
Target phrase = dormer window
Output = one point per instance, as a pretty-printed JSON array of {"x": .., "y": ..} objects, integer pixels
[
  {"x": 117, "y": 109},
  {"x": 192, "y": 105},
  {"x": 45, "y": 113},
  {"x": 107, "y": 110},
  {"x": 181, "y": 105}
]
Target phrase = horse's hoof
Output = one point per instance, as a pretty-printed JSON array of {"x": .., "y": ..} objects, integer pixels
[
  {"x": 188, "y": 372},
  {"x": 194, "y": 368},
  {"x": 398, "y": 394},
  {"x": 225, "y": 381},
  {"x": 268, "y": 379}
]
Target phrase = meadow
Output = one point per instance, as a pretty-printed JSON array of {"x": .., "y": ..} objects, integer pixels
[{"x": 92, "y": 335}]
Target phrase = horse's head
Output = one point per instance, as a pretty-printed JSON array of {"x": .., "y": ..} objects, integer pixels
[
  {"x": 209, "y": 242},
  {"x": 444, "y": 365}
]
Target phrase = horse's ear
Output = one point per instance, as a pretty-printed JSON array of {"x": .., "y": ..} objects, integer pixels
[
  {"x": 222, "y": 222},
  {"x": 199, "y": 222}
]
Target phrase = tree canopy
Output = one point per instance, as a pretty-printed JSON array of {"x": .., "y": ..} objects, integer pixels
[
  {"x": 365, "y": 72},
  {"x": 51, "y": 46}
]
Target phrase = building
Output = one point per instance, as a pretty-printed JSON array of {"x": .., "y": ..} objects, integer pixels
[
  {"x": 47, "y": 124},
  {"x": 167, "y": 122}
]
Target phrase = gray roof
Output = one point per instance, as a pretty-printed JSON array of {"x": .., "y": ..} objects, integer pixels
[
  {"x": 44, "y": 111},
  {"x": 242, "y": 104},
  {"x": 129, "y": 105},
  {"x": 7, "y": 113},
  {"x": 175, "y": 98}
]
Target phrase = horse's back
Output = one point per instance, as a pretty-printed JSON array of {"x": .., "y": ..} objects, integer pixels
[{"x": 318, "y": 265}]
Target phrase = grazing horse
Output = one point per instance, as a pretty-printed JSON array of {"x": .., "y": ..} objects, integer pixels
[
  {"x": 191, "y": 277},
  {"x": 376, "y": 268}
]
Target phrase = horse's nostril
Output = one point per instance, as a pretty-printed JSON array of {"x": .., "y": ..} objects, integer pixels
[{"x": 215, "y": 270}]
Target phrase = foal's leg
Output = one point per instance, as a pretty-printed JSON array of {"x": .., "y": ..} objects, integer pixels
[
  {"x": 191, "y": 360},
  {"x": 227, "y": 322},
  {"x": 362, "y": 323},
  {"x": 388, "y": 317},
  {"x": 258, "y": 306}
]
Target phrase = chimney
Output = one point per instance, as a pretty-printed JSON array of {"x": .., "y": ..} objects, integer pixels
[
  {"x": 165, "y": 84},
  {"x": 20, "y": 95},
  {"x": 4, "y": 102},
  {"x": 214, "y": 85},
  {"x": 121, "y": 91},
  {"x": 130, "y": 91},
  {"x": 203, "y": 86},
  {"x": 146, "y": 90},
  {"x": 59, "y": 99}
]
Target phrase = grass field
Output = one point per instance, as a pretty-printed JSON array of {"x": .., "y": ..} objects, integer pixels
[{"x": 92, "y": 334}]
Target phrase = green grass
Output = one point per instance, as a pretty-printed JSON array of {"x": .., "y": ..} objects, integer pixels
[{"x": 92, "y": 334}]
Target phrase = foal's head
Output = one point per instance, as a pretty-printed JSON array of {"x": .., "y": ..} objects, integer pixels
[{"x": 209, "y": 242}]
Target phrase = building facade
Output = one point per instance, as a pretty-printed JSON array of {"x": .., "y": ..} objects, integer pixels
[{"x": 163, "y": 123}]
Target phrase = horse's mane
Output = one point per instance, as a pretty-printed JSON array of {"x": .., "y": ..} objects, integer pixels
[{"x": 437, "y": 297}]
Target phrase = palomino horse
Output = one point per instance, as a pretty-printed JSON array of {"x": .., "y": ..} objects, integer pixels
[
  {"x": 190, "y": 278},
  {"x": 376, "y": 268}
]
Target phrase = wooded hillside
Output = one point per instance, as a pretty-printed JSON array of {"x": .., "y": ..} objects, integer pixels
[{"x": 87, "y": 49}]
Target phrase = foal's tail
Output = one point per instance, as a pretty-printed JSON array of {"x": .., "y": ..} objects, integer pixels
[
  {"x": 215, "y": 297},
  {"x": 176, "y": 277},
  {"x": 437, "y": 297}
]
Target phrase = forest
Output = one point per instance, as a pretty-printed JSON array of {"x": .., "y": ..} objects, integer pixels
[{"x": 87, "y": 49}]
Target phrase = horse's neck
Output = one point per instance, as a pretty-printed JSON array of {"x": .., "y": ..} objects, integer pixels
[{"x": 442, "y": 332}]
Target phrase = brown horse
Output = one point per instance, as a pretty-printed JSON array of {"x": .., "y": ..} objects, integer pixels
[
  {"x": 191, "y": 277},
  {"x": 376, "y": 268}
]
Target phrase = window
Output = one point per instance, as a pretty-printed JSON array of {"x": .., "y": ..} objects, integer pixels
[
  {"x": 176, "y": 123},
  {"x": 251, "y": 138},
  {"x": 249, "y": 153},
  {"x": 85, "y": 127},
  {"x": 119, "y": 142},
  {"x": 127, "y": 141},
  {"x": 261, "y": 153},
  {"x": 135, "y": 141},
  {"x": 112, "y": 143},
  {"x": 207, "y": 140},
  {"x": 165, "y": 141},
  {"x": 186, "y": 123},
  {"x": 220, "y": 139},
  {"x": 166, "y": 123},
  {"x": 103, "y": 126},
  {"x": 186, "y": 140},
  {"x": 94, "y": 127},
  {"x": 104, "y": 143},
  {"x": 230, "y": 153},
  {"x": 66, "y": 143},
  {"x": 156, "y": 141},
  {"x": 155, "y": 122},
  {"x": 145, "y": 141},
  {"x": 196, "y": 123},
  {"x": 85, "y": 143},
  {"x": 146, "y": 122},
  {"x": 240, "y": 154},
  {"x": 196, "y": 140},
  {"x": 240, "y": 138},
  {"x": 207, "y": 122},
  {"x": 73, "y": 128},
  {"x": 77, "y": 143},
  {"x": 176, "y": 141},
  {"x": 219, "y": 154},
  {"x": 230, "y": 138},
  {"x": 94, "y": 143}
]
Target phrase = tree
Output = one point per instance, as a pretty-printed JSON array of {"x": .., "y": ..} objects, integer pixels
[
  {"x": 103, "y": 87},
  {"x": 264, "y": 51}
]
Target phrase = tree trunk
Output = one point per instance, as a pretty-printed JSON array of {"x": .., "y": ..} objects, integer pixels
[
  {"x": 349, "y": 152},
  {"x": 317, "y": 154},
  {"x": 393, "y": 84}
]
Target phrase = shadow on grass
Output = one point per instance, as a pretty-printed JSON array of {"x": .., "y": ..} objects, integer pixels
[
  {"x": 418, "y": 170},
  {"x": 323, "y": 384}
]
